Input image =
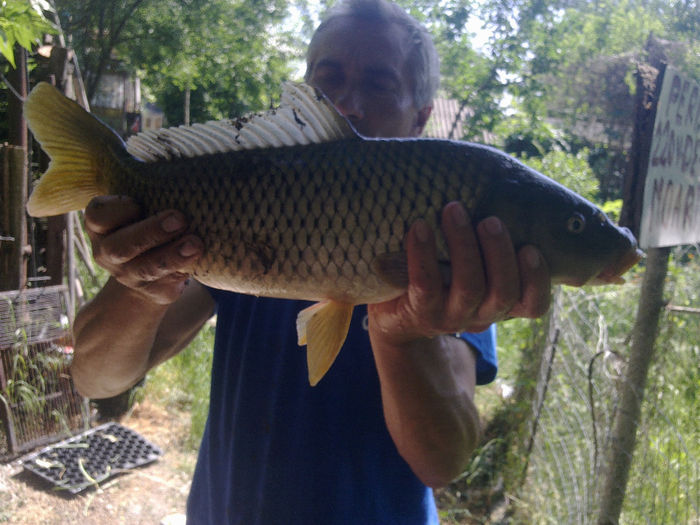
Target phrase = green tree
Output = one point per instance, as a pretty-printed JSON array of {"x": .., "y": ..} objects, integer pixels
[
  {"x": 22, "y": 22},
  {"x": 232, "y": 54},
  {"x": 571, "y": 64},
  {"x": 96, "y": 28},
  {"x": 229, "y": 53}
]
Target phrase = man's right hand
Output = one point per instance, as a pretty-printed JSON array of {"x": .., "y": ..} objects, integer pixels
[
  {"x": 151, "y": 256},
  {"x": 145, "y": 313}
]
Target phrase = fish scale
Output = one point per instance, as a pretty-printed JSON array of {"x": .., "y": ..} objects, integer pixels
[
  {"x": 292, "y": 203},
  {"x": 319, "y": 245}
]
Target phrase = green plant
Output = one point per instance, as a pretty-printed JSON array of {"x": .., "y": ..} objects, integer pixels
[
  {"x": 182, "y": 382},
  {"x": 22, "y": 22}
]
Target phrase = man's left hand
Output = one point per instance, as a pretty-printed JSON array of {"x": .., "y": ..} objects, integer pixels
[{"x": 490, "y": 281}]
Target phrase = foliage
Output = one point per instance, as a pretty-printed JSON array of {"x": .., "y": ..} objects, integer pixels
[
  {"x": 569, "y": 64},
  {"x": 22, "y": 22},
  {"x": 229, "y": 53},
  {"x": 571, "y": 170},
  {"x": 182, "y": 383},
  {"x": 95, "y": 28}
]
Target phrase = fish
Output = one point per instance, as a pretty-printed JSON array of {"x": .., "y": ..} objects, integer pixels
[{"x": 293, "y": 203}]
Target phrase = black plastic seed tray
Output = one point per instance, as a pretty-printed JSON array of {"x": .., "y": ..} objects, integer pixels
[{"x": 89, "y": 458}]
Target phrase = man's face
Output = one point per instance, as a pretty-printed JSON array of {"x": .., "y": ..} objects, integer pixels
[{"x": 363, "y": 69}]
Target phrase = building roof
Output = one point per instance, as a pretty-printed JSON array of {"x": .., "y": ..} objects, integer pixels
[{"x": 446, "y": 120}]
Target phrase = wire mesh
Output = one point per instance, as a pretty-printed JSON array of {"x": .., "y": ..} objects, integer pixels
[
  {"x": 572, "y": 440},
  {"x": 38, "y": 403}
]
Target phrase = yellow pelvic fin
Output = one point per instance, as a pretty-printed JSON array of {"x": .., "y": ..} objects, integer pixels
[
  {"x": 323, "y": 328},
  {"x": 77, "y": 143}
]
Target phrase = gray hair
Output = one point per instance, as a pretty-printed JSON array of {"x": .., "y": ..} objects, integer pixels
[{"x": 423, "y": 56}]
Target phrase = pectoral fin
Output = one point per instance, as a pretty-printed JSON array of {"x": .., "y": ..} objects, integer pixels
[{"x": 323, "y": 328}]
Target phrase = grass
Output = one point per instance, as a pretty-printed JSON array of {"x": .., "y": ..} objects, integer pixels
[{"x": 182, "y": 383}]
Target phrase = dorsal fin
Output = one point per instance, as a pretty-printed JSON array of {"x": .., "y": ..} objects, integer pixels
[{"x": 304, "y": 116}]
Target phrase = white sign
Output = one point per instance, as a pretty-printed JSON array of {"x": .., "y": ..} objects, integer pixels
[{"x": 671, "y": 212}]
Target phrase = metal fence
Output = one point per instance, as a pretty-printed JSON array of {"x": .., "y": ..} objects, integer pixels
[
  {"x": 38, "y": 403},
  {"x": 589, "y": 344}
]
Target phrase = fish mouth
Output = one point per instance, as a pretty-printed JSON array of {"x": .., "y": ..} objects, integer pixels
[{"x": 612, "y": 274}]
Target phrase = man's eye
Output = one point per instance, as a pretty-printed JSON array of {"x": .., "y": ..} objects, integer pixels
[
  {"x": 381, "y": 87},
  {"x": 327, "y": 82},
  {"x": 330, "y": 81}
]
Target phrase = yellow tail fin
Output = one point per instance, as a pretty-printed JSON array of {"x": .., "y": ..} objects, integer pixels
[{"x": 80, "y": 147}]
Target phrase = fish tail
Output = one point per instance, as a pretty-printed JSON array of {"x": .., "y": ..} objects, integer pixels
[{"x": 81, "y": 149}]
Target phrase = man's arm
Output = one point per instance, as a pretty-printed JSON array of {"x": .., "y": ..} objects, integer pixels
[
  {"x": 120, "y": 335},
  {"x": 146, "y": 312},
  {"x": 427, "y": 378}
]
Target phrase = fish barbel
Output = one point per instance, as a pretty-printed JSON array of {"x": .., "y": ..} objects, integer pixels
[{"x": 293, "y": 203}]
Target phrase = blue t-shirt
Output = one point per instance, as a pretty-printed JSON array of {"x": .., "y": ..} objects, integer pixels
[{"x": 276, "y": 450}]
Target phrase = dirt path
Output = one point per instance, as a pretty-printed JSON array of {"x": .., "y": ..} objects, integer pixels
[{"x": 142, "y": 496}]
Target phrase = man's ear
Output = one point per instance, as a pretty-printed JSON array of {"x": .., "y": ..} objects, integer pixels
[{"x": 422, "y": 119}]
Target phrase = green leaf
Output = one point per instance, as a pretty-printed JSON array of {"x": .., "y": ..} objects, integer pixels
[{"x": 7, "y": 50}]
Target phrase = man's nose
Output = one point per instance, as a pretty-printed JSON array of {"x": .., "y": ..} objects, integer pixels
[{"x": 349, "y": 104}]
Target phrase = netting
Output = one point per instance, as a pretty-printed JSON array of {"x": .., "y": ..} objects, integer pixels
[{"x": 589, "y": 341}]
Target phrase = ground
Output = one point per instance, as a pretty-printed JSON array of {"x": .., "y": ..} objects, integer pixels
[
  {"x": 142, "y": 496},
  {"x": 154, "y": 494}
]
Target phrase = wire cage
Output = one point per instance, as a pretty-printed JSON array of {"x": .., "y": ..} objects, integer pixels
[{"x": 38, "y": 402}]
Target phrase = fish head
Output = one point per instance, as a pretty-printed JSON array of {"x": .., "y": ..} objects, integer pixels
[
  {"x": 584, "y": 247},
  {"x": 581, "y": 245}
]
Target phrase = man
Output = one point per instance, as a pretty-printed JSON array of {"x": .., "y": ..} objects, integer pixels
[{"x": 395, "y": 412}]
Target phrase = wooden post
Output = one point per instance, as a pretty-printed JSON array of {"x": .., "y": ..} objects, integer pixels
[
  {"x": 632, "y": 386},
  {"x": 70, "y": 263},
  {"x": 17, "y": 126},
  {"x": 13, "y": 246},
  {"x": 633, "y": 382},
  {"x": 55, "y": 248}
]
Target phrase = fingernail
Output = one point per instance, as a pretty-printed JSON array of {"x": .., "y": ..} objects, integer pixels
[
  {"x": 532, "y": 257},
  {"x": 493, "y": 225},
  {"x": 172, "y": 223},
  {"x": 188, "y": 248},
  {"x": 422, "y": 231},
  {"x": 459, "y": 216}
]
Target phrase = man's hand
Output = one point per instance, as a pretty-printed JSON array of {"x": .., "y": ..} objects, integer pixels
[
  {"x": 489, "y": 281},
  {"x": 150, "y": 256},
  {"x": 428, "y": 382},
  {"x": 141, "y": 316}
]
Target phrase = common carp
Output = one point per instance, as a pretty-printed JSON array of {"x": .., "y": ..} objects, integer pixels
[{"x": 293, "y": 203}]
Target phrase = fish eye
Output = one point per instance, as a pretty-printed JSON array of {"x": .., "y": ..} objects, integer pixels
[{"x": 576, "y": 223}]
